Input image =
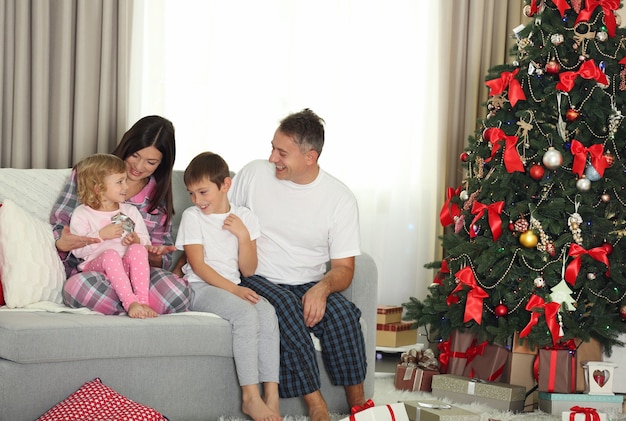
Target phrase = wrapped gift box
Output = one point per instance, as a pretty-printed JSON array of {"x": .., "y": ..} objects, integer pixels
[
  {"x": 392, "y": 412},
  {"x": 519, "y": 371},
  {"x": 456, "y": 351},
  {"x": 488, "y": 364},
  {"x": 557, "y": 371},
  {"x": 521, "y": 346},
  {"x": 388, "y": 314},
  {"x": 412, "y": 378},
  {"x": 437, "y": 411},
  {"x": 556, "y": 403},
  {"x": 396, "y": 334},
  {"x": 502, "y": 396},
  {"x": 581, "y": 415}
]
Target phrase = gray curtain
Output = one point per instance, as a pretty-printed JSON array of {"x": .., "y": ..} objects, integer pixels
[
  {"x": 64, "y": 67},
  {"x": 479, "y": 36}
]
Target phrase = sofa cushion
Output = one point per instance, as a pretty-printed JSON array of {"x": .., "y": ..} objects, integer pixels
[
  {"x": 95, "y": 401},
  {"x": 41, "y": 336},
  {"x": 29, "y": 263}
]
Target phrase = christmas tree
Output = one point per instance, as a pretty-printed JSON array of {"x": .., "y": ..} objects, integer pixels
[{"x": 533, "y": 243}]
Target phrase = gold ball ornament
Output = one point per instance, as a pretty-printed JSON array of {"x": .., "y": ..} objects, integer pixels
[{"x": 529, "y": 239}]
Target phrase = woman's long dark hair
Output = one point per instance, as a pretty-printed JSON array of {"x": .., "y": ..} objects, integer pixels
[{"x": 158, "y": 132}]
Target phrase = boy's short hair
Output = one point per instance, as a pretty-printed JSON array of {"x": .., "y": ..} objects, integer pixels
[
  {"x": 90, "y": 174},
  {"x": 206, "y": 165}
]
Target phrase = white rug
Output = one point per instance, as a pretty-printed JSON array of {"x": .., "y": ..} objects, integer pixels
[{"x": 386, "y": 393}]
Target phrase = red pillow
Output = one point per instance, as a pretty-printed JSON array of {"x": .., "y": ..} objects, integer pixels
[{"x": 95, "y": 401}]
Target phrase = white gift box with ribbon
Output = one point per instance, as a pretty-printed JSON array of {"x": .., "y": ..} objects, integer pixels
[{"x": 391, "y": 412}]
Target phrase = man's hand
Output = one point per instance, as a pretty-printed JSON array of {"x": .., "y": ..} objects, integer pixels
[
  {"x": 314, "y": 304},
  {"x": 68, "y": 241}
]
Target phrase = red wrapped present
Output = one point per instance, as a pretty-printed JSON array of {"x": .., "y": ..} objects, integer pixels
[
  {"x": 557, "y": 369},
  {"x": 416, "y": 370},
  {"x": 488, "y": 363}
]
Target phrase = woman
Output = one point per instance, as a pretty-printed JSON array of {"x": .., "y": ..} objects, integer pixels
[{"x": 148, "y": 149}]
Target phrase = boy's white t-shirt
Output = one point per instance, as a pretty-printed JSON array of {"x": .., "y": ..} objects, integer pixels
[
  {"x": 302, "y": 226},
  {"x": 221, "y": 248}
]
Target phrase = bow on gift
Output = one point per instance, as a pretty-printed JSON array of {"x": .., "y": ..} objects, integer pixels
[
  {"x": 534, "y": 305},
  {"x": 449, "y": 210},
  {"x": 493, "y": 212},
  {"x": 588, "y": 70},
  {"x": 580, "y": 157},
  {"x": 511, "y": 158},
  {"x": 475, "y": 296},
  {"x": 608, "y": 6},
  {"x": 444, "y": 355},
  {"x": 507, "y": 80},
  {"x": 591, "y": 414},
  {"x": 576, "y": 251},
  {"x": 358, "y": 408}
]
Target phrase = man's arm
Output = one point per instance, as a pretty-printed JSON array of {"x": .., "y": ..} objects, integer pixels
[{"x": 337, "y": 279}]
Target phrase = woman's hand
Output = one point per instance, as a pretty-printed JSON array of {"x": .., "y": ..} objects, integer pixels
[
  {"x": 155, "y": 254},
  {"x": 68, "y": 241}
]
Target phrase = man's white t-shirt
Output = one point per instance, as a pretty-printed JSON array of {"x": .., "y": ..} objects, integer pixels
[
  {"x": 221, "y": 247},
  {"x": 302, "y": 226}
]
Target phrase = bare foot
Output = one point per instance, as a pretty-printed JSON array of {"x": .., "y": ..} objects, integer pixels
[
  {"x": 319, "y": 414},
  {"x": 136, "y": 311},
  {"x": 318, "y": 410},
  {"x": 149, "y": 311},
  {"x": 258, "y": 410},
  {"x": 273, "y": 402}
]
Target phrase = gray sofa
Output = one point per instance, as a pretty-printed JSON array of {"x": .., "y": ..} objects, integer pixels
[{"x": 181, "y": 365}]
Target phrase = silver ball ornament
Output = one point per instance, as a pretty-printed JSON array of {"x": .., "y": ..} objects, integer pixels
[
  {"x": 464, "y": 195},
  {"x": 592, "y": 174},
  {"x": 602, "y": 36},
  {"x": 591, "y": 276},
  {"x": 557, "y": 39},
  {"x": 583, "y": 184},
  {"x": 605, "y": 198},
  {"x": 539, "y": 282},
  {"x": 552, "y": 159}
]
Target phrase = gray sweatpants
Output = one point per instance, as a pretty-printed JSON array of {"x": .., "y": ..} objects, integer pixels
[{"x": 256, "y": 340}]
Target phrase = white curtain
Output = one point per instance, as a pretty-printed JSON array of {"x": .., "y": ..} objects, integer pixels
[{"x": 225, "y": 73}]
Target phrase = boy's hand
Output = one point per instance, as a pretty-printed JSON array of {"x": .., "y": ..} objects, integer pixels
[
  {"x": 247, "y": 294},
  {"x": 235, "y": 225}
]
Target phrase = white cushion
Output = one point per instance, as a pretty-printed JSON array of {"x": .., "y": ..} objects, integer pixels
[{"x": 30, "y": 265}]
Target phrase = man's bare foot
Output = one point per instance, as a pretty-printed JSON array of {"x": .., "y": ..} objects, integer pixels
[
  {"x": 318, "y": 410},
  {"x": 258, "y": 410},
  {"x": 136, "y": 311},
  {"x": 355, "y": 394},
  {"x": 149, "y": 311}
]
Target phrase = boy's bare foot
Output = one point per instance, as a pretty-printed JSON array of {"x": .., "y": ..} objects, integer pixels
[
  {"x": 136, "y": 311},
  {"x": 258, "y": 410},
  {"x": 149, "y": 311}
]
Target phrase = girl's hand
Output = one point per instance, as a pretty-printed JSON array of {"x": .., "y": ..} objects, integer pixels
[
  {"x": 111, "y": 231},
  {"x": 247, "y": 294},
  {"x": 130, "y": 238},
  {"x": 68, "y": 241}
]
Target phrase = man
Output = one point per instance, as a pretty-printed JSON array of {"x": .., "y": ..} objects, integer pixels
[{"x": 307, "y": 218}]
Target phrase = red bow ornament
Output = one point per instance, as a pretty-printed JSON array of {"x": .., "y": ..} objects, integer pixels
[
  {"x": 511, "y": 158},
  {"x": 591, "y": 414},
  {"x": 441, "y": 275},
  {"x": 475, "y": 295},
  {"x": 588, "y": 70},
  {"x": 444, "y": 355},
  {"x": 449, "y": 210},
  {"x": 580, "y": 157},
  {"x": 493, "y": 212},
  {"x": 562, "y": 6},
  {"x": 576, "y": 251},
  {"x": 608, "y": 7},
  {"x": 535, "y": 305},
  {"x": 507, "y": 80}
]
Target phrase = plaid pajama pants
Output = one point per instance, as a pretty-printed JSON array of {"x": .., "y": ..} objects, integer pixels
[
  {"x": 339, "y": 332},
  {"x": 167, "y": 294}
]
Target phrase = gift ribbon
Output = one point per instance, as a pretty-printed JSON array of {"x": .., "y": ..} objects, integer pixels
[
  {"x": 449, "y": 210},
  {"x": 443, "y": 271},
  {"x": 608, "y": 6},
  {"x": 494, "y": 376},
  {"x": 588, "y": 70},
  {"x": 493, "y": 212},
  {"x": 550, "y": 311},
  {"x": 444, "y": 355},
  {"x": 475, "y": 296},
  {"x": 591, "y": 414},
  {"x": 358, "y": 408},
  {"x": 580, "y": 157},
  {"x": 576, "y": 251},
  {"x": 568, "y": 345},
  {"x": 363, "y": 408},
  {"x": 511, "y": 158},
  {"x": 507, "y": 80}
]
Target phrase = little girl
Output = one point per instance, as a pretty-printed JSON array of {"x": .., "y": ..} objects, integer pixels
[{"x": 120, "y": 254}]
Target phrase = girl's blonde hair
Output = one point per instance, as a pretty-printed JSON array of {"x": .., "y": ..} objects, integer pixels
[{"x": 90, "y": 175}]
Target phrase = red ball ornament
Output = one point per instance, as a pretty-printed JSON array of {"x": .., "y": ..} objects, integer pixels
[
  {"x": 464, "y": 156},
  {"x": 622, "y": 312},
  {"x": 501, "y": 310},
  {"x": 536, "y": 172},
  {"x": 572, "y": 115},
  {"x": 609, "y": 158},
  {"x": 553, "y": 67},
  {"x": 608, "y": 247}
]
